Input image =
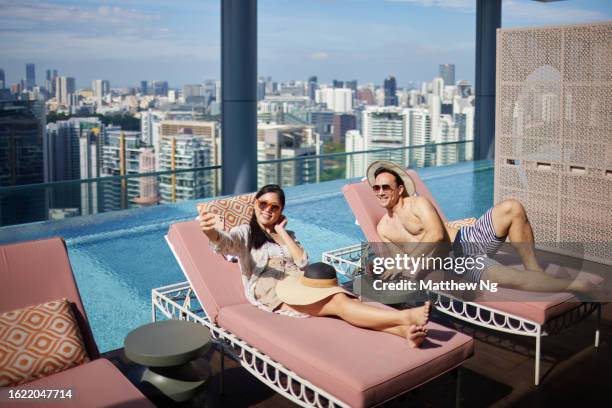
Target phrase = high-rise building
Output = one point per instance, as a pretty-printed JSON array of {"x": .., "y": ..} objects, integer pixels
[
  {"x": 149, "y": 194},
  {"x": 447, "y": 132},
  {"x": 209, "y": 91},
  {"x": 287, "y": 141},
  {"x": 312, "y": 87},
  {"x": 22, "y": 125},
  {"x": 144, "y": 89},
  {"x": 390, "y": 88},
  {"x": 464, "y": 88},
  {"x": 282, "y": 103},
  {"x": 419, "y": 129},
  {"x": 355, "y": 163},
  {"x": 149, "y": 129},
  {"x": 292, "y": 88},
  {"x": 208, "y": 132},
  {"x": 61, "y": 155},
  {"x": 64, "y": 89},
  {"x": 366, "y": 95},
  {"x": 447, "y": 73},
  {"x": 51, "y": 82},
  {"x": 261, "y": 89},
  {"x": 193, "y": 93},
  {"x": 185, "y": 150},
  {"x": 343, "y": 122},
  {"x": 337, "y": 84},
  {"x": 30, "y": 76},
  {"x": 120, "y": 157},
  {"x": 2, "y": 79},
  {"x": 337, "y": 99},
  {"x": 91, "y": 139},
  {"x": 321, "y": 119},
  {"x": 72, "y": 152},
  {"x": 383, "y": 127},
  {"x": 159, "y": 88},
  {"x": 437, "y": 86},
  {"x": 100, "y": 87},
  {"x": 352, "y": 85}
]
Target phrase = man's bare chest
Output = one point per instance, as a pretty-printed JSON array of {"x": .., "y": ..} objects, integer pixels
[{"x": 402, "y": 230}]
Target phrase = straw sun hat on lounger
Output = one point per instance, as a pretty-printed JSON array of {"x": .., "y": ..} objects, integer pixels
[{"x": 318, "y": 282}]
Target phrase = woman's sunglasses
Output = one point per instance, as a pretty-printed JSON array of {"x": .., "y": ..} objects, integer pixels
[{"x": 264, "y": 205}]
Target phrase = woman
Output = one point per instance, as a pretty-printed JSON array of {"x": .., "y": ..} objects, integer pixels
[{"x": 268, "y": 253}]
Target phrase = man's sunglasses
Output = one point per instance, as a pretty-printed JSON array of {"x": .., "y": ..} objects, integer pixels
[
  {"x": 385, "y": 188},
  {"x": 264, "y": 205}
]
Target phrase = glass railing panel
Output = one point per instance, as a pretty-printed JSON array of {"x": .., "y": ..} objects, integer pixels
[
  {"x": 58, "y": 200},
  {"x": 293, "y": 171}
]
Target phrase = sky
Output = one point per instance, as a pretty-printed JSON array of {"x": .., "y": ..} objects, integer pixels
[{"x": 128, "y": 41}]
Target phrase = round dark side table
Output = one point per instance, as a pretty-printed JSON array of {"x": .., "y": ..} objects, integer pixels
[{"x": 168, "y": 349}]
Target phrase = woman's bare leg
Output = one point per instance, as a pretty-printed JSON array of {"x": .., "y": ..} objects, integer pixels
[{"x": 359, "y": 314}]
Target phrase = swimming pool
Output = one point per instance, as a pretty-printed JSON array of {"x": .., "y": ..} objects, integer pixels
[{"x": 119, "y": 257}]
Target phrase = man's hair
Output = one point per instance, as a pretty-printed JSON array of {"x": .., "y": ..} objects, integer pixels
[{"x": 398, "y": 179}]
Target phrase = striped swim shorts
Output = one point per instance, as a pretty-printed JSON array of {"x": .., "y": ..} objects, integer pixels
[{"x": 478, "y": 240}]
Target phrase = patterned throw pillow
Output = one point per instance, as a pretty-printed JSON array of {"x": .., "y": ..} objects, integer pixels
[
  {"x": 37, "y": 341},
  {"x": 233, "y": 211},
  {"x": 466, "y": 222}
]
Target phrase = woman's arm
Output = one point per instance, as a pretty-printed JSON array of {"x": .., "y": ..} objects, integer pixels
[
  {"x": 295, "y": 249},
  {"x": 233, "y": 243}
]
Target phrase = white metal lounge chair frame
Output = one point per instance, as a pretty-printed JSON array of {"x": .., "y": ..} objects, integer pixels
[
  {"x": 282, "y": 380},
  {"x": 167, "y": 300},
  {"x": 346, "y": 261}
]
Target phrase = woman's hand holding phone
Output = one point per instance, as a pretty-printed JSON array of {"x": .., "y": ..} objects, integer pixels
[{"x": 207, "y": 224}]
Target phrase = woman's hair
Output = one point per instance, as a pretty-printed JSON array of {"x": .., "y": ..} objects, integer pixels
[{"x": 258, "y": 235}]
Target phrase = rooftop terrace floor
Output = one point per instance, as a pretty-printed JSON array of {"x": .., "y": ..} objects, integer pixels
[{"x": 499, "y": 374}]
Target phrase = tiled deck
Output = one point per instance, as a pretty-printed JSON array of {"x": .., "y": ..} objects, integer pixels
[{"x": 500, "y": 374}]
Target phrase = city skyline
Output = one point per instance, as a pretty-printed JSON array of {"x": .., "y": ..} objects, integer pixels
[{"x": 128, "y": 41}]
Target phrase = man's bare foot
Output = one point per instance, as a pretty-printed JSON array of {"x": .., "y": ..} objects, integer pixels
[
  {"x": 415, "y": 335},
  {"x": 588, "y": 291},
  {"x": 418, "y": 316}
]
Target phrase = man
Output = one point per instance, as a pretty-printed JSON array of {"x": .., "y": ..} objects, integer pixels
[{"x": 413, "y": 220}]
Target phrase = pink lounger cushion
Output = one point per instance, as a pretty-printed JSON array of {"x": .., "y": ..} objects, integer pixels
[
  {"x": 216, "y": 282},
  {"x": 95, "y": 384},
  {"x": 360, "y": 367},
  {"x": 368, "y": 213},
  {"x": 36, "y": 272}
]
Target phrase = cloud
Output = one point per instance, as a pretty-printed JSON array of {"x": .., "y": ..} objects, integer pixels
[
  {"x": 534, "y": 12},
  {"x": 458, "y": 5},
  {"x": 527, "y": 11},
  {"x": 318, "y": 56},
  {"x": 35, "y": 12},
  {"x": 69, "y": 32}
]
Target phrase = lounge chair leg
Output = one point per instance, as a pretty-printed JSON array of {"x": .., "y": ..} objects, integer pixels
[
  {"x": 458, "y": 377},
  {"x": 597, "y": 327},
  {"x": 221, "y": 374},
  {"x": 537, "y": 357}
]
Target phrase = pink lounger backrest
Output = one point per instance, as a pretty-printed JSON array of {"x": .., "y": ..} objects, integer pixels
[
  {"x": 367, "y": 209},
  {"x": 216, "y": 282},
  {"x": 36, "y": 272}
]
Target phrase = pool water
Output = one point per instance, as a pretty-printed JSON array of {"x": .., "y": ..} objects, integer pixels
[{"x": 117, "y": 258}]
